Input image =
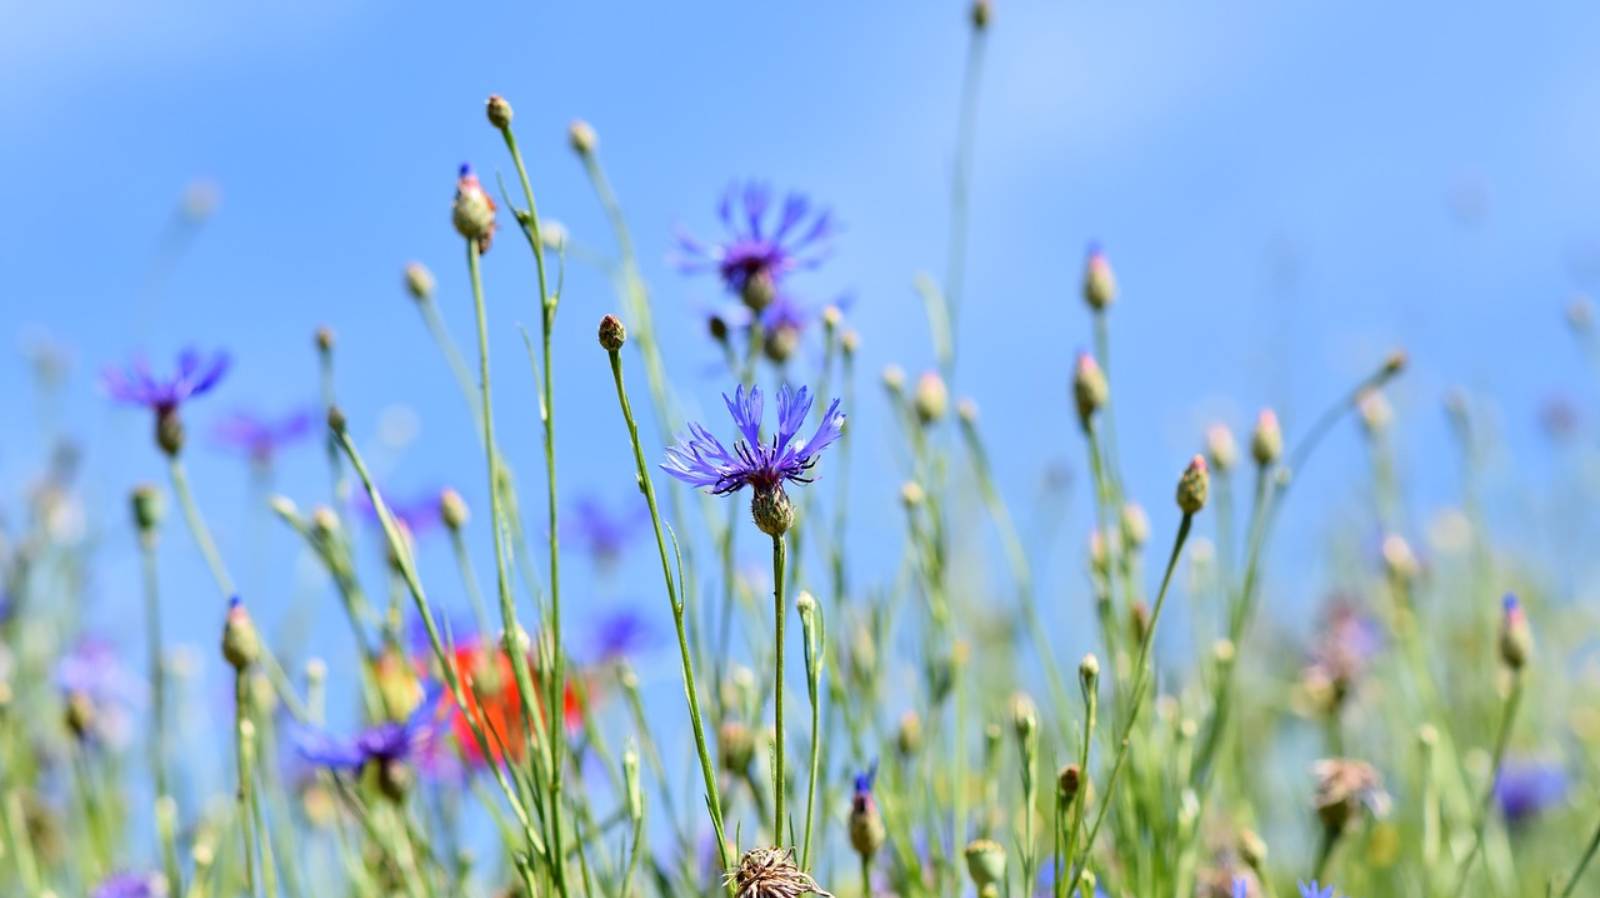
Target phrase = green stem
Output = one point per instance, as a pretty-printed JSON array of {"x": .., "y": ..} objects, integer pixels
[
  {"x": 1136, "y": 698},
  {"x": 691, "y": 690},
  {"x": 197, "y": 527},
  {"x": 158, "y": 704},
  {"x": 779, "y": 554},
  {"x": 1583, "y": 864},
  {"x": 1501, "y": 740},
  {"x": 241, "y": 729}
]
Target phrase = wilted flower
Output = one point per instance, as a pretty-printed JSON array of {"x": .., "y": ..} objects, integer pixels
[
  {"x": 703, "y": 461},
  {"x": 756, "y": 255},
  {"x": 771, "y": 873},
  {"x": 1526, "y": 788},
  {"x": 1345, "y": 788},
  {"x": 260, "y": 437},
  {"x": 136, "y": 385}
]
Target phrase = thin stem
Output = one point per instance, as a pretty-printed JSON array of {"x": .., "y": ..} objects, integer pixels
[
  {"x": 197, "y": 526},
  {"x": 1501, "y": 740},
  {"x": 1136, "y": 698},
  {"x": 1583, "y": 864},
  {"x": 241, "y": 729},
  {"x": 691, "y": 690},
  {"x": 779, "y": 555},
  {"x": 961, "y": 184},
  {"x": 158, "y": 703}
]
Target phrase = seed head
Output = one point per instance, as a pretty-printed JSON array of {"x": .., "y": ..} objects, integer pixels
[
  {"x": 1193, "y": 486},
  {"x": 499, "y": 112},
  {"x": 612, "y": 333},
  {"x": 1266, "y": 442},
  {"x": 580, "y": 134},
  {"x": 771, "y": 873},
  {"x": 419, "y": 281},
  {"x": 986, "y": 862}
]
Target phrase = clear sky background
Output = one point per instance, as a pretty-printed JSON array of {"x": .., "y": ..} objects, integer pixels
[{"x": 1285, "y": 191}]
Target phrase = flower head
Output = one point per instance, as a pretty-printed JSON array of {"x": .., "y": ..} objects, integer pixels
[
  {"x": 771, "y": 873},
  {"x": 1526, "y": 788},
  {"x": 703, "y": 461},
  {"x": 604, "y": 531},
  {"x": 260, "y": 437},
  {"x": 137, "y": 385},
  {"x": 100, "y": 690},
  {"x": 758, "y": 250},
  {"x": 1313, "y": 890},
  {"x": 131, "y": 885},
  {"x": 389, "y": 742}
]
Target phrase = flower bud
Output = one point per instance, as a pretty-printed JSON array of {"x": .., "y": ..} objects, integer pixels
[
  {"x": 1089, "y": 673},
  {"x": 736, "y": 746},
  {"x": 324, "y": 522},
  {"x": 553, "y": 234},
  {"x": 147, "y": 508},
  {"x": 759, "y": 290},
  {"x": 867, "y": 832},
  {"x": 982, "y": 12},
  {"x": 1580, "y": 314},
  {"x": 772, "y": 511},
  {"x": 850, "y": 342},
  {"x": 1516, "y": 639},
  {"x": 580, "y": 134},
  {"x": 1089, "y": 388},
  {"x": 1099, "y": 285},
  {"x": 1398, "y": 559},
  {"x": 1139, "y": 621},
  {"x": 323, "y": 339},
  {"x": 1252, "y": 850},
  {"x": 894, "y": 378},
  {"x": 967, "y": 410},
  {"x": 986, "y": 862},
  {"x": 452, "y": 509},
  {"x": 1394, "y": 363},
  {"x": 908, "y": 735},
  {"x": 911, "y": 494},
  {"x": 1375, "y": 412},
  {"x": 932, "y": 399},
  {"x": 1266, "y": 443},
  {"x": 419, "y": 281},
  {"x": 79, "y": 715},
  {"x": 169, "y": 431},
  {"x": 630, "y": 781},
  {"x": 473, "y": 210},
  {"x": 613, "y": 334},
  {"x": 240, "y": 644},
  {"x": 499, "y": 112},
  {"x": 1024, "y": 716},
  {"x": 1193, "y": 486},
  {"x": 1068, "y": 781},
  {"x": 1221, "y": 447},
  {"x": 1135, "y": 525},
  {"x": 336, "y": 419}
]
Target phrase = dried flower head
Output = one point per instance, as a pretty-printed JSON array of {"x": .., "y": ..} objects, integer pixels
[
  {"x": 1346, "y": 787},
  {"x": 771, "y": 873}
]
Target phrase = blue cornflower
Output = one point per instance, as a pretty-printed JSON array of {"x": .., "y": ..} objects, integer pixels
[
  {"x": 619, "y": 634},
  {"x": 101, "y": 691},
  {"x": 260, "y": 437},
  {"x": 386, "y": 745},
  {"x": 131, "y": 885},
  {"x": 1313, "y": 890},
  {"x": 602, "y": 531},
  {"x": 703, "y": 461},
  {"x": 136, "y": 385},
  {"x": 755, "y": 254},
  {"x": 1525, "y": 788}
]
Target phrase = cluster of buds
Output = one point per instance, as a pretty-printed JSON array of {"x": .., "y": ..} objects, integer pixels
[{"x": 771, "y": 873}]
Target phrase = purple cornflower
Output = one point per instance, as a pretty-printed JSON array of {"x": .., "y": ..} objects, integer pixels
[
  {"x": 602, "y": 531},
  {"x": 619, "y": 634},
  {"x": 136, "y": 385},
  {"x": 1526, "y": 788},
  {"x": 703, "y": 461},
  {"x": 1313, "y": 890},
  {"x": 100, "y": 690},
  {"x": 755, "y": 254},
  {"x": 260, "y": 437},
  {"x": 131, "y": 885},
  {"x": 384, "y": 744}
]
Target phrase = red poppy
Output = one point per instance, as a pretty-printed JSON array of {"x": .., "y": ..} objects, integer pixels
[{"x": 490, "y": 684}]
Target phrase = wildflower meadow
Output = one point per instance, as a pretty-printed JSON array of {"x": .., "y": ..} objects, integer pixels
[{"x": 674, "y": 581}]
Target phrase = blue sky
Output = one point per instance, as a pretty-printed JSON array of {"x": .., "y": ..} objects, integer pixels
[{"x": 1285, "y": 191}]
